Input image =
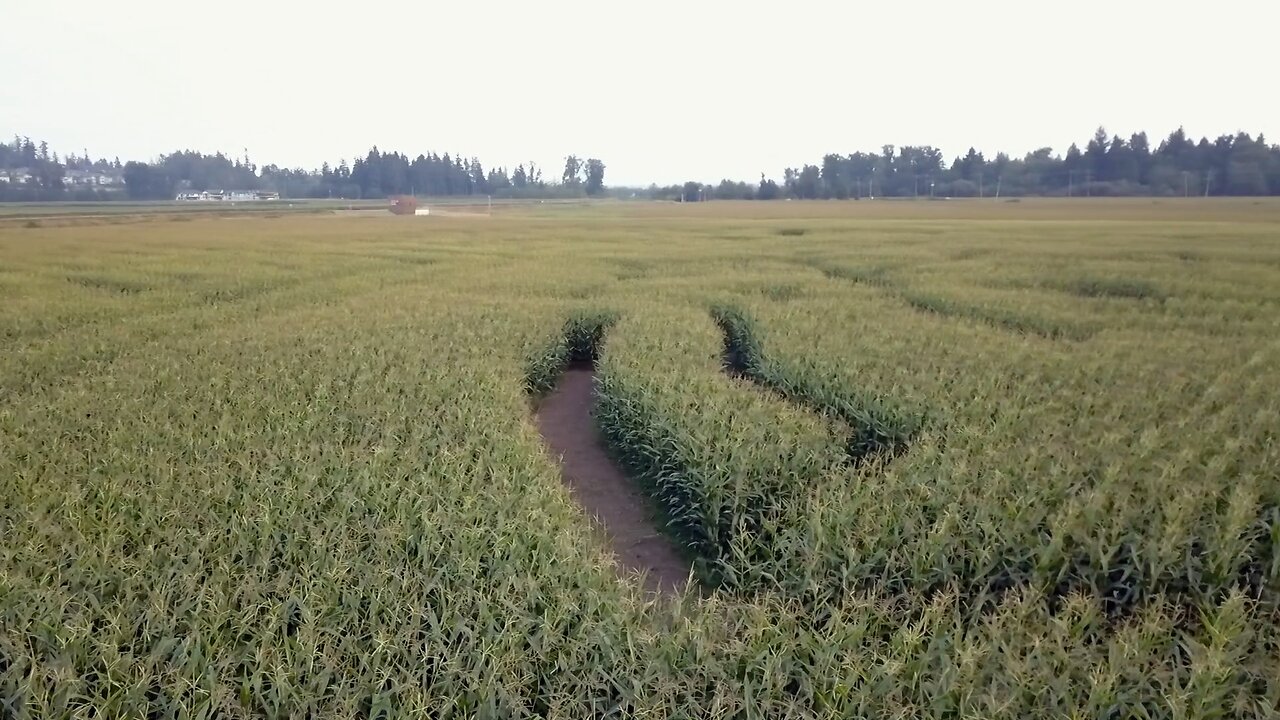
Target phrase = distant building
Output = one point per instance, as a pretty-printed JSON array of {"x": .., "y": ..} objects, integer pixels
[
  {"x": 90, "y": 178},
  {"x": 228, "y": 196},
  {"x": 203, "y": 196},
  {"x": 21, "y": 176},
  {"x": 404, "y": 205}
]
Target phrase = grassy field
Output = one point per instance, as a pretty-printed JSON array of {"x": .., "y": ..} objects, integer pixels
[{"x": 929, "y": 459}]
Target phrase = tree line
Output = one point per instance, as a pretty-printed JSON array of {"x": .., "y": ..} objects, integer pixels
[
  {"x": 1106, "y": 166},
  {"x": 31, "y": 171},
  {"x": 377, "y": 174}
]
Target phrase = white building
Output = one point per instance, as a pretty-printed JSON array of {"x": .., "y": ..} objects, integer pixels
[
  {"x": 89, "y": 178},
  {"x": 228, "y": 196}
]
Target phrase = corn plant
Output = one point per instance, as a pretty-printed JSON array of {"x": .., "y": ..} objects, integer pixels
[{"x": 288, "y": 468}]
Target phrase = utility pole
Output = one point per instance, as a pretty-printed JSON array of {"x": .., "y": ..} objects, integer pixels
[
  {"x": 999, "y": 179},
  {"x": 1207, "y": 178}
]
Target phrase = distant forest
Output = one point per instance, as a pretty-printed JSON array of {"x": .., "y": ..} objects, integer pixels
[
  {"x": 1108, "y": 165},
  {"x": 31, "y": 173}
]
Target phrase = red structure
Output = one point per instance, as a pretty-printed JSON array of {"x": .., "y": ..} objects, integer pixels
[{"x": 404, "y": 205}]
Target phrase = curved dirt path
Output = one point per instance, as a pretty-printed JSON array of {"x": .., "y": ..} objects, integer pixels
[{"x": 619, "y": 508}]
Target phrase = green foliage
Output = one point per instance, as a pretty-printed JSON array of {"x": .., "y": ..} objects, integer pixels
[
  {"x": 1016, "y": 321},
  {"x": 1114, "y": 288},
  {"x": 783, "y": 292},
  {"x": 295, "y": 474},
  {"x": 1011, "y": 318},
  {"x": 579, "y": 342},
  {"x": 1239, "y": 165},
  {"x": 595, "y": 176},
  {"x": 875, "y": 275},
  {"x": 730, "y": 466},
  {"x": 876, "y": 429},
  {"x": 109, "y": 283},
  {"x": 145, "y": 182},
  {"x": 1109, "y": 166}
]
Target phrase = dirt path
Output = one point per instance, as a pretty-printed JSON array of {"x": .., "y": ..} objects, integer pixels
[{"x": 621, "y": 510}]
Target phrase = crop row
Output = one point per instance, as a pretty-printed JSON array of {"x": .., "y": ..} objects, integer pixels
[
  {"x": 579, "y": 341},
  {"x": 760, "y": 488},
  {"x": 1040, "y": 469},
  {"x": 333, "y": 502},
  {"x": 729, "y": 465},
  {"x": 777, "y": 509},
  {"x": 877, "y": 427}
]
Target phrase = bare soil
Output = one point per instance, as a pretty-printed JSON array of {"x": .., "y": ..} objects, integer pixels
[{"x": 624, "y": 514}]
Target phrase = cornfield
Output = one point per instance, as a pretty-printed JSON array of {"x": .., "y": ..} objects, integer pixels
[{"x": 985, "y": 460}]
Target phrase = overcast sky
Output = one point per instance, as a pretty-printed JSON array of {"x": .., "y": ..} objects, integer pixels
[{"x": 661, "y": 91}]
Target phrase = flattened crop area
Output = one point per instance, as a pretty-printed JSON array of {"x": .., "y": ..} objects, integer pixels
[{"x": 784, "y": 460}]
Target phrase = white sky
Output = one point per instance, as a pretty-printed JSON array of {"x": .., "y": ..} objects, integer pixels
[{"x": 661, "y": 91}]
